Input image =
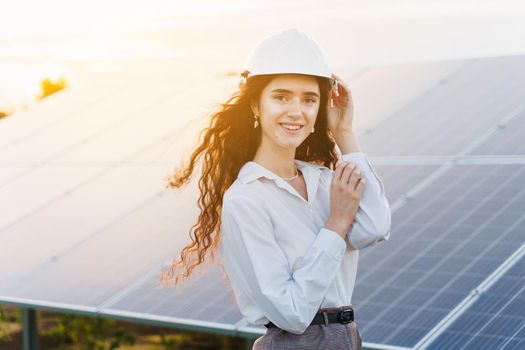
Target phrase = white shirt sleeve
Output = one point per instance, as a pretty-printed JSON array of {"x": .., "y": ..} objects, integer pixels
[
  {"x": 256, "y": 264},
  {"x": 373, "y": 219}
]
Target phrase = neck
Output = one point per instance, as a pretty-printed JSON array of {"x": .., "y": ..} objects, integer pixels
[{"x": 279, "y": 161}]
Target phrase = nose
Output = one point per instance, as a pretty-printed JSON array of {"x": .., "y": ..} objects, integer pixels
[{"x": 295, "y": 108}]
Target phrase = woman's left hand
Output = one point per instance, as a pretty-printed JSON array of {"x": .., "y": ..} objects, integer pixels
[{"x": 340, "y": 116}]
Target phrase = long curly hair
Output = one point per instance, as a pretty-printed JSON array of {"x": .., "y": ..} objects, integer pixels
[{"x": 226, "y": 145}]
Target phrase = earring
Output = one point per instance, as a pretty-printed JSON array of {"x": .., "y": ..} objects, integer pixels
[
  {"x": 313, "y": 129},
  {"x": 256, "y": 121}
]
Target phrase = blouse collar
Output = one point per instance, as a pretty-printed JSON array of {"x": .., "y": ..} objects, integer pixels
[{"x": 251, "y": 170}]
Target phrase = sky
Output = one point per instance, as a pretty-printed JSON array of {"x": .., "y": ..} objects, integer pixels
[{"x": 73, "y": 38}]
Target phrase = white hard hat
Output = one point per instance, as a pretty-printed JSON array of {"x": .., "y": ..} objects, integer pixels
[{"x": 288, "y": 51}]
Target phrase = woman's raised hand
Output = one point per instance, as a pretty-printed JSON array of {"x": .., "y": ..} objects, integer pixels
[
  {"x": 345, "y": 194},
  {"x": 340, "y": 115}
]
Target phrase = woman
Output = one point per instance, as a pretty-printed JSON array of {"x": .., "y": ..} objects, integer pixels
[{"x": 289, "y": 222}]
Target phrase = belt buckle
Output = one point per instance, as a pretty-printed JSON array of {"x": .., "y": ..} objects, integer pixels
[{"x": 346, "y": 316}]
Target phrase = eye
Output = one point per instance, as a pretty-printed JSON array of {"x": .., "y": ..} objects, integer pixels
[
  {"x": 311, "y": 100},
  {"x": 280, "y": 97}
]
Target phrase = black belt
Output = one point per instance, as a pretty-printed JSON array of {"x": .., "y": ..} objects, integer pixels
[{"x": 344, "y": 316}]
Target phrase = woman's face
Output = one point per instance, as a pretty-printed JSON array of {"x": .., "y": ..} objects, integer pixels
[{"x": 289, "y": 100}]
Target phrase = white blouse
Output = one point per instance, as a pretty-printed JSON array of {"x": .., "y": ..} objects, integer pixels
[{"x": 282, "y": 263}]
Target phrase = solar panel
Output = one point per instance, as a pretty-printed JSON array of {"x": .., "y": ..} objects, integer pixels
[
  {"x": 399, "y": 179},
  {"x": 10, "y": 171},
  {"x": 129, "y": 105},
  {"x": 98, "y": 261},
  {"x": 448, "y": 117},
  {"x": 494, "y": 321},
  {"x": 52, "y": 199},
  {"x": 69, "y": 214},
  {"x": 508, "y": 140},
  {"x": 69, "y": 103},
  {"x": 205, "y": 297},
  {"x": 447, "y": 240}
]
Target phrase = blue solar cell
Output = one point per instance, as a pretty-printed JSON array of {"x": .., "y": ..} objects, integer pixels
[
  {"x": 429, "y": 317},
  {"x": 397, "y": 313},
  {"x": 398, "y": 261},
  {"x": 516, "y": 344},
  {"x": 447, "y": 300},
  {"x": 202, "y": 298},
  {"x": 495, "y": 319},
  {"x": 378, "y": 277},
  {"x": 375, "y": 329},
  {"x": 368, "y": 308},
  {"x": 405, "y": 278},
  {"x": 435, "y": 281},
  {"x": 425, "y": 262},
  {"x": 417, "y": 297}
]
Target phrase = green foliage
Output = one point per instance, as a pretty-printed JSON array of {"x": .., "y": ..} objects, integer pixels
[
  {"x": 4, "y": 325},
  {"x": 89, "y": 333},
  {"x": 60, "y": 331},
  {"x": 10, "y": 322},
  {"x": 174, "y": 342},
  {"x": 226, "y": 342}
]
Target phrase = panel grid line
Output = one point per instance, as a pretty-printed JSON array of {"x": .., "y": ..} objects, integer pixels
[
  {"x": 454, "y": 314},
  {"x": 509, "y": 339}
]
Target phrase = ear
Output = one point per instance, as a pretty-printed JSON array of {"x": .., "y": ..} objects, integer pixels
[{"x": 254, "y": 107}]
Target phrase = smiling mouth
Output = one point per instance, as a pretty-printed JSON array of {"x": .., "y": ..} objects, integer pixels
[{"x": 291, "y": 127}]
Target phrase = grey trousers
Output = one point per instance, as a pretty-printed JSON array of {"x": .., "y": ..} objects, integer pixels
[{"x": 336, "y": 336}]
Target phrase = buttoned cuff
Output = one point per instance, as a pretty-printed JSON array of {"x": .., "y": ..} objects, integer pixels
[
  {"x": 331, "y": 242},
  {"x": 358, "y": 241}
]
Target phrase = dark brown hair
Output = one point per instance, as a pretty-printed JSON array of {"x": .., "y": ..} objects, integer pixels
[{"x": 226, "y": 145}]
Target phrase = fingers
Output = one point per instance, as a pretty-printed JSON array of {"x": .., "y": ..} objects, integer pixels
[
  {"x": 347, "y": 173},
  {"x": 339, "y": 171},
  {"x": 360, "y": 186},
  {"x": 342, "y": 86},
  {"x": 340, "y": 80},
  {"x": 354, "y": 177}
]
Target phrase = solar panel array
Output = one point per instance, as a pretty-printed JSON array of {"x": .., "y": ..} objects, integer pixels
[
  {"x": 92, "y": 222},
  {"x": 494, "y": 320},
  {"x": 86, "y": 224},
  {"x": 461, "y": 222},
  {"x": 448, "y": 239}
]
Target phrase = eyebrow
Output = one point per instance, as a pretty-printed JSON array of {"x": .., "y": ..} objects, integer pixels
[{"x": 289, "y": 92}]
